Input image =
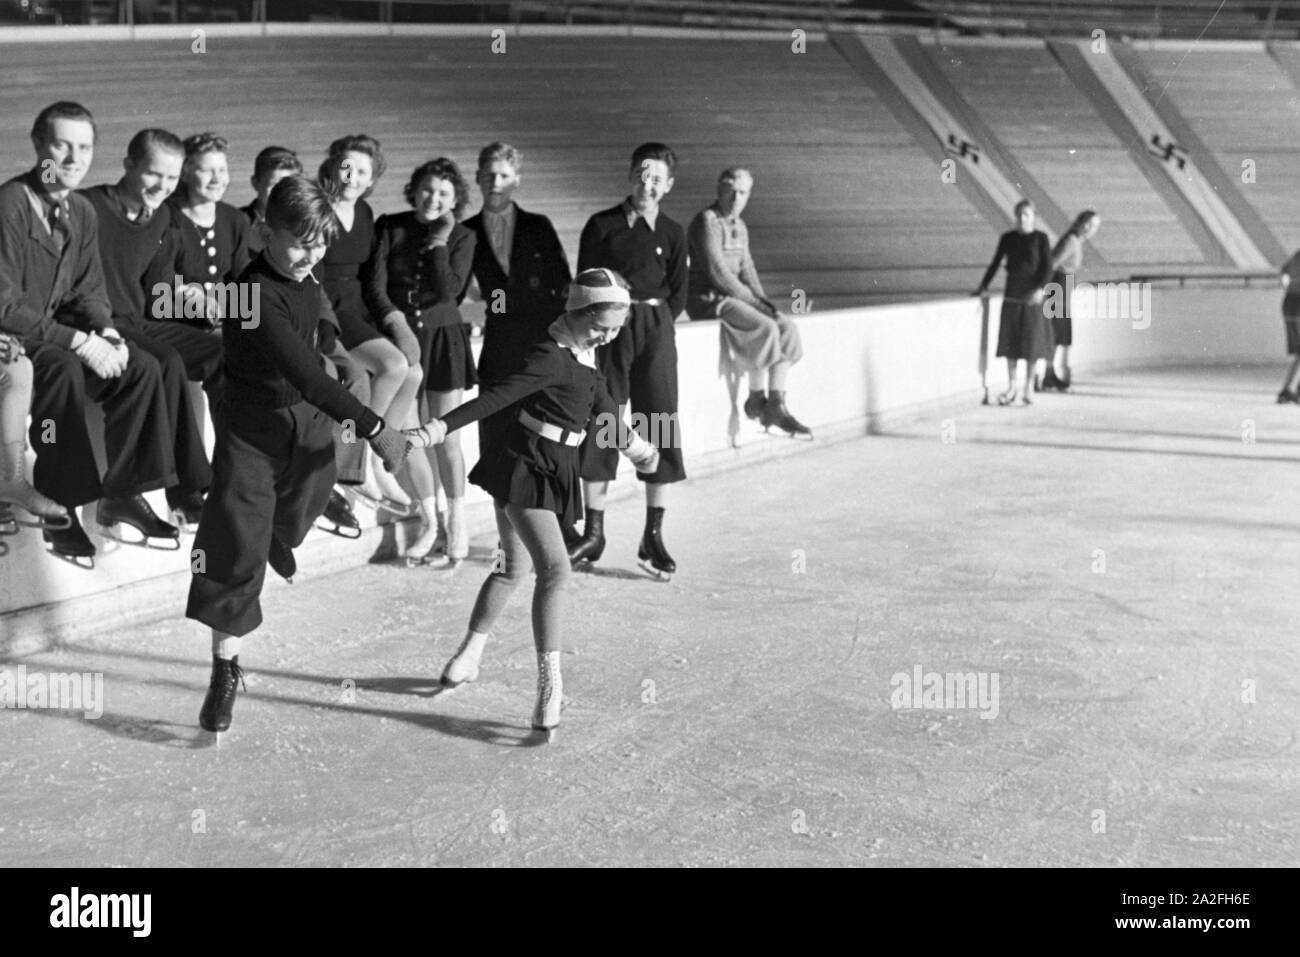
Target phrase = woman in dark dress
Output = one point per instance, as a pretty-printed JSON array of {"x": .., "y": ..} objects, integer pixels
[
  {"x": 1024, "y": 336},
  {"x": 532, "y": 473},
  {"x": 417, "y": 275},
  {"x": 211, "y": 238},
  {"x": 391, "y": 356}
]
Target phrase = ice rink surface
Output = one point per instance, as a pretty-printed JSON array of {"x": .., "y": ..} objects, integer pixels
[{"x": 1122, "y": 560}]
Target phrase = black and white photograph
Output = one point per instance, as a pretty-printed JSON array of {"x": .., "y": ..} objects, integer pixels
[{"x": 664, "y": 434}]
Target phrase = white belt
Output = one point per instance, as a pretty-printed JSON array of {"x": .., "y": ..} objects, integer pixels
[
  {"x": 647, "y": 302},
  {"x": 552, "y": 432}
]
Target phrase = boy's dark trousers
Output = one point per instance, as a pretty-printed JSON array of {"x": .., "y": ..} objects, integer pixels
[
  {"x": 137, "y": 429},
  {"x": 272, "y": 474},
  {"x": 640, "y": 365}
]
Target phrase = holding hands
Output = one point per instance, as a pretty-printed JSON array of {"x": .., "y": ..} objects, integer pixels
[
  {"x": 428, "y": 435},
  {"x": 391, "y": 446}
]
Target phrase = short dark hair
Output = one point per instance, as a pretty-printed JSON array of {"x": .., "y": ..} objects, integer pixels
[
  {"x": 1023, "y": 204},
  {"x": 272, "y": 160},
  {"x": 301, "y": 207},
  {"x": 145, "y": 143},
  {"x": 654, "y": 151},
  {"x": 358, "y": 143},
  {"x": 440, "y": 168},
  {"x": 497, "y": 150},
  {"x": 62, "y": 110}
]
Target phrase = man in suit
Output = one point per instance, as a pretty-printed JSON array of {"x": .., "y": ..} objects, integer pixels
[{"x": 522, "y": 274}]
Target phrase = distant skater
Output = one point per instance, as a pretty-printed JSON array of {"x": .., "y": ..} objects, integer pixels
[
  {"x": 1291, "y": 320},
  {"x": 1024, "y": 337},
  {"x": 1067, "y": 257}
]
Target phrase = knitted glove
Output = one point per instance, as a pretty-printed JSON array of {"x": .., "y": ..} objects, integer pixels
[
  {"x": 391, "y": 446},
  {"x": 428, "y": 435},
  {"x": 440, "y": 231},
  {"x": 98, "y": 354},
  {"x": 643, "y": 456}
]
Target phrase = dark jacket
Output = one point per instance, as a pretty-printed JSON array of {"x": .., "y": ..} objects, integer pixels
[{"x": 520, "y": 307}]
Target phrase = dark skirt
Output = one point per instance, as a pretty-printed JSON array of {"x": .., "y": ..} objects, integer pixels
[
  {"x": 355, "y": 327},
  {"x": 1023, "y": 331},
  {"x": 446, "y": 356},
  {"x": 1062, "y": 325},
  {"x": 1291, "y": 319},
  {"x": 532, "y": 472}
]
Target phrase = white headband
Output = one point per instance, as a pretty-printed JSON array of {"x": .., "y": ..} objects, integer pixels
[{"x": 580, "y": 297}]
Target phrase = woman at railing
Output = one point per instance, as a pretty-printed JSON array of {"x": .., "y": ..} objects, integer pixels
[{"x": 1024, "y": 337}]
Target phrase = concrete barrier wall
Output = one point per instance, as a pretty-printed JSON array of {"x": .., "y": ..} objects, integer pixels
[{"x": 863, "y": 368}]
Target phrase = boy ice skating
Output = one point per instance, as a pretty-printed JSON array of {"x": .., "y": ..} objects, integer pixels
[{"x": 274, "y": 460}]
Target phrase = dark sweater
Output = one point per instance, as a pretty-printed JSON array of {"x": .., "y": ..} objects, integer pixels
[
  {"x": 220, "y": 258},
  {"x": 1029, "y": 263},
  {"x": 46, "y": 294},
  {"x": 402, "y": 276},
  {"x": 275, "y": 363},
  {"x": 652, "y": 261},
  {"x": 135, "y": 255},
  {"x": 552, "y": 386}
]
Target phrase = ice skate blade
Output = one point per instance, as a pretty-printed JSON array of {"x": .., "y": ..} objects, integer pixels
[
  {"x": 342, "y": 531},
  {"x": 4, "y": 549},
  {"x": 76, "y": 560},
  {"x": 50, "y": 524},
  {"x": 113, "y": 533},
  {"x": 655, "y": 573},
  {"x": 177, "y": 518}
]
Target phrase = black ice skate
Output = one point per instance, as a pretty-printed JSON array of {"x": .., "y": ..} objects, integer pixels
[
  {"x": 338, "y": 518},
  {"x": 219, "y": 705},
  {"x": 72, "y": 544},
  {"x": 591, "y": 545},
  {"x": 281, "y": 559},
  {"x": 775, "y": 413},
  {"x": 653, "y": 557},
  {"x": 754, "y": 406},
  {"x": 134, "y": 512},
  {"x": 8, "y": 524}
]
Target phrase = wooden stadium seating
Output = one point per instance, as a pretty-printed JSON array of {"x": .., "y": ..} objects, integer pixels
[
  {"x": 1027, "y": 100},
  {"x": 1241, "y": 102}
]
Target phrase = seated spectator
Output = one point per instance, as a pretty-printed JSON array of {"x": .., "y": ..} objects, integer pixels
[
  {"x": 757, "y": 338},
  {"x": 210, "y": 238},
  {"x": 15, "y": 401},
  {"x": 53, "y": 299},
  {"x": 135, "y": 246}
]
